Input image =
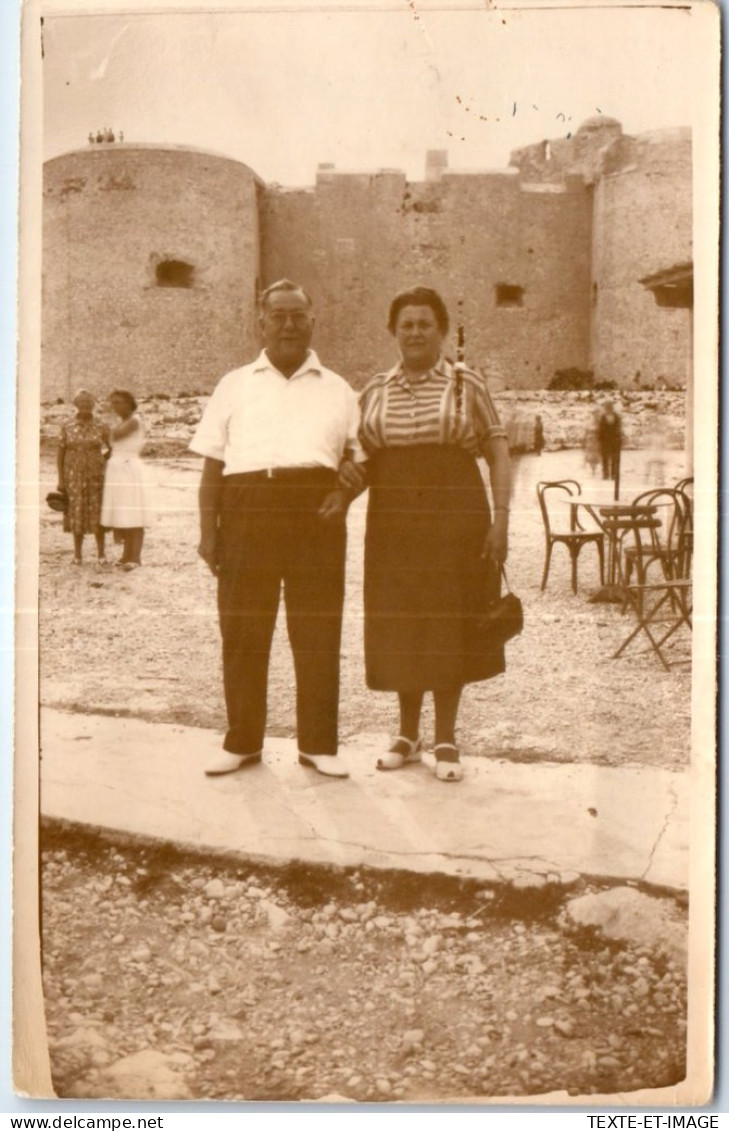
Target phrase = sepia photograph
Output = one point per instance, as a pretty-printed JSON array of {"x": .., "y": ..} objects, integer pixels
[{"x": 367, "y": 460}]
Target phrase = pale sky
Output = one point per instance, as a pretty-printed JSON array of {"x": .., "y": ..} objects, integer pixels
[{"x": 283, "y": 90}]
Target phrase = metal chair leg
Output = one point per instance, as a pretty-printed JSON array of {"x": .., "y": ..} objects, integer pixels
[{"x": 547, "y": 561}]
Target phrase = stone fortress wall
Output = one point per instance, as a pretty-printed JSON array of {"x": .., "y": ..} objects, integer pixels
[
  {"x": 153, "y": 257},
  {"x": 150, "y": 265}
]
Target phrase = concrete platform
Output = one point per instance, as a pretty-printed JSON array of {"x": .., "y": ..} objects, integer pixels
[{"x": 506, "y": 822}]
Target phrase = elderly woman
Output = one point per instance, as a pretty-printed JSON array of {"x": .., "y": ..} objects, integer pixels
[
  {"x": 433, "y": 551},
  {"x": 80, "y": 463},
  {"x": 126, "y": 506}
]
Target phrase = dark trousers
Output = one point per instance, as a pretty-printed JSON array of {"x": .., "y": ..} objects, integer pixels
[
  {"x": 609, "y": 462},
  {"x": 271, "y": 535}
]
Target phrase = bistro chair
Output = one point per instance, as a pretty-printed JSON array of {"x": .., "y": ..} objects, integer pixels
[
  {"x": 548, "y": 494},
  {"x": 662, "y": 542},
  {"x": 663, "y": 605}
]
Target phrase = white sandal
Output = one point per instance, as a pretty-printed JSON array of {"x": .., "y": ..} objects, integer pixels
[
  {"x": 395, "y": 759},
  {"x": 448, "y": 769}
]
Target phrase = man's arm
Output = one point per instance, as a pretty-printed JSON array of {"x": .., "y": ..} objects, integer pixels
[{"x": 209, "y": 496}]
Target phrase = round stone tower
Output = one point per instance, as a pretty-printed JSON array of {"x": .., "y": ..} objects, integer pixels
[{"x": 150, "y": 269}]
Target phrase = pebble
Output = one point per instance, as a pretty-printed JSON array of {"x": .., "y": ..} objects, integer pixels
[
  {"x": 278, "y": 917},
  {"x": 345, "y": 1022}
]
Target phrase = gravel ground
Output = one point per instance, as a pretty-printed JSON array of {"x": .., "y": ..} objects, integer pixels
[
  {"x": 171, "y": 978},
  {"x": 147, "y": 644}
]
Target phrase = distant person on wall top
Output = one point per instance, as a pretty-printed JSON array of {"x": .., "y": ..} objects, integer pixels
[
  {"x": 81, "y": 464},
  {"x": 127, "y": 504},
  {"x": 610, "y": 440},
  {"x": 274, "y": 435}
]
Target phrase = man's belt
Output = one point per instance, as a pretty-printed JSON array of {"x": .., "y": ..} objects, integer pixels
[{"x": 283, "y": 473}]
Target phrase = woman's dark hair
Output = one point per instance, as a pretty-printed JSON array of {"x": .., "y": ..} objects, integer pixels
[
  {"x": 126, "y": 395},
  {"x": 419, "y": 296}
]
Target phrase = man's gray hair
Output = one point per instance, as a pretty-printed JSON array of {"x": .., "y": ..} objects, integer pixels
[{"x": 282, "y": 285}]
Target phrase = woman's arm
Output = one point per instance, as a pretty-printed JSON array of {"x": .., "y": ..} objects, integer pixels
[
  {"x": 60, "y": 459},
  {"x": 209, "y": 497},
  {"x": 497, "y": 540},
  {"x": 125, "y": 428}
]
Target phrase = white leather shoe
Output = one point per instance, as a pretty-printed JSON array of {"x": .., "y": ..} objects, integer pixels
[
  {"x": 394, "y": 759},
  {"x": 327, "y": 764},
  {"x": 447, "y": 764},
  {"x": 226, "y": 763}
]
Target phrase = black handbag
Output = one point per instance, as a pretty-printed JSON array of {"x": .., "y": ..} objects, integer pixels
[
  {"x": 58, "y": 501},
  {"x": 503, "y": 618}
]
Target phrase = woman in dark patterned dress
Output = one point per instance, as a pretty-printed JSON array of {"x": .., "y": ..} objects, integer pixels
[
  {"x": 433, "y": 552},
  {"x": 81, "y": 466}
]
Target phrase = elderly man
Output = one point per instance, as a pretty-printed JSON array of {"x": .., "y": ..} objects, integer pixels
[{"x": 274, "y": 434}]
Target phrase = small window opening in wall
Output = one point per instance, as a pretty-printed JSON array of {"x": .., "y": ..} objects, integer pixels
[
  {"x": 174, "y": 273},
  {"x": 508, "y": 295}
]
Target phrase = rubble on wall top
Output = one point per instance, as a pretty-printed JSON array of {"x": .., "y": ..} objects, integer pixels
[
  {"x": 488, "y": 171},
  {"x": 599, "y": 122}
]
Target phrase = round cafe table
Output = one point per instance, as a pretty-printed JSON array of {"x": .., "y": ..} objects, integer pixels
[{"x": 617, "y": 521}]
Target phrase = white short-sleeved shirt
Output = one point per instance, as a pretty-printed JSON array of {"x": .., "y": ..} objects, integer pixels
[{"x": 258, "y": 419}]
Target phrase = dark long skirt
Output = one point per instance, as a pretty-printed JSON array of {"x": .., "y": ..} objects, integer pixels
[{"x": 425, "y": 580}]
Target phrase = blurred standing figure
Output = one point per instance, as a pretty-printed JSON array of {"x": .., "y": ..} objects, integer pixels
[
  {"x": 610, "y": 437},
  {"x": 538, "y": 435},
  {"x": 656, "y": 442},
  {"x": 127, "y": 508},
  {"x": 592, "y": 441},
  {"x": 81, "y": 464}
]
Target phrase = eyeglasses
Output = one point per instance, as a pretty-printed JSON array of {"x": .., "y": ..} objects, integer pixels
[{"x": 281, "y": 317}]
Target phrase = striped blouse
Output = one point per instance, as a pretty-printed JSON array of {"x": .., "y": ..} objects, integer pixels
[{"x": 434, "y": 410}]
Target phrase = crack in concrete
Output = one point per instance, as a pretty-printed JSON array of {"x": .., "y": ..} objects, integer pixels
[
  {"x": 510, "y": 862},
  {"x": 662, "y": 832}
]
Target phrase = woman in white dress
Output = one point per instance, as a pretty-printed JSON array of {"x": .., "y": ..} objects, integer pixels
[{"x": 126, "y": 506}]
